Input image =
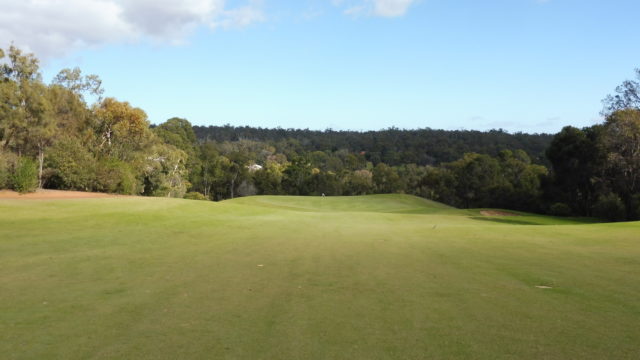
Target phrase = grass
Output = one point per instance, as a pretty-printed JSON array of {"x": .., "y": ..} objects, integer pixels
[{"x": 373, "y": 277}]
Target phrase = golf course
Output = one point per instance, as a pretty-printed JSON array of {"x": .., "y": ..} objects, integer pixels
[{"x": 285, "y": 277}]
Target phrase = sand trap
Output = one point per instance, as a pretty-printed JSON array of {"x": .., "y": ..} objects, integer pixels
[
  {"x": 496, "y": 213},
  {"x": 543, "y": 287},
  {"x": 53, "y": 194}
]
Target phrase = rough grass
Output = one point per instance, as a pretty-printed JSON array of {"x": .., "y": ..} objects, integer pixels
[{"x": 374, "y": 277}]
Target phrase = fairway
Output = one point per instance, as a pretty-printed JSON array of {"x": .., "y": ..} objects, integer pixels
[{"x": 278, "y": 277}]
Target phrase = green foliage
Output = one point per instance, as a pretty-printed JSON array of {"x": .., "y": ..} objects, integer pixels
[
  {"x": 297, "y": 177},
  {"x": 123, "y": 129},
  {"x": 179, "y": 133},
  {"x": 439, "y": 184},
  {"x": 385, "y": 179},
  {"x": 627, "y": 96},
  {"x": 164, "y": 172},
  {"x": 7, "y": 163},
  {"x": 25, "y": 176},
  {"x": 71, "y": 166},
  {"x": 392, "y": 146},
  {"x": 477, "y": 179},
  {"x": 116, "y": 176},
  {"x": 610, "y": 207},
  {"x": 111, "y": 147},
  {"x": 621, "y": 141},
  {"x": 577, "y": 159},
  {"x": 268, "y": 180},
  {"x": 560, "y": 209},
  {"x": 194, "y": 195},
  {"x": 359, "y": 182}
]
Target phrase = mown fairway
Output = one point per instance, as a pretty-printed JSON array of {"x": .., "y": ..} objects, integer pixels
[{"x": 375, "y": 277}]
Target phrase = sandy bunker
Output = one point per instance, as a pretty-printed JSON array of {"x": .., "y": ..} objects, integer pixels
[{"x": 44, "y": 194}]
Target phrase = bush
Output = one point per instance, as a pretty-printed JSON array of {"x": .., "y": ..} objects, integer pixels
[
  {"x": 71, "y": 166},
  {"x": 115, "y": 176},
  {"x": 25, "y": 176},
  {"x": 246, "y": 189},
  {"x": 194, "y": 195},
  {"x": 610, "y": 207},
  {"x": 560, "y": 209},
  {"x": 7, "y": 161}
]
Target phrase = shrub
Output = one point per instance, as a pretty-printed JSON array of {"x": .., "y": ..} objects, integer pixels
[
  {"x": 115, "y": 176},
  {"x": 25, "y": 176},
  {"x": 71, "y": 166},
  {"x": 560, "y": 209},
  {"x": 7, "y": 161},
  {"x": 246, "y": 189},
  {"x": 610, "y": 207},
  {"x": 194, "y": 195}
]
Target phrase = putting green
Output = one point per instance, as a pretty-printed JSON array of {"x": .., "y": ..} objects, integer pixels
[{"x": 372, "y": 277}]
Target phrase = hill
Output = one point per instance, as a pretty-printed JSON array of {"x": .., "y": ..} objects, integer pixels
[
  {"x": 392, "y": 146},
  {"x": 375, "y": 277}
]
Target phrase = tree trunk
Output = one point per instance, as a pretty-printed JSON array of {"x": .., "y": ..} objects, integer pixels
[
  {"x": 233, "y": 181},
  {"x": 41, "y": 163}
]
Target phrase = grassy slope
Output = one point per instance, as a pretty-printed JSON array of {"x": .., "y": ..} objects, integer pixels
[{"x": 369, "y": 277}]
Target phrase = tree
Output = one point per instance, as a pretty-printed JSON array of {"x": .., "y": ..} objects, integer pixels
[
  {"x": 70, "y": 113},
  {"x": 123, "y": 129},
  {"x": 165, "y": 172},
  {"x": 27, "y": 122},
  {"x": 627, "y": 96},
  {"x": 385, "y": 179},
  {"x": 72, "y": 165},
  {"x": 521, "y": 189},
  {"x": 359, "y": 182},
  {"x": 297, "y": 176},
  {"x": 440, "y": 185},
  {"x": 621, "y": 141},
  {"x": 577, "y": 161},
  {"x": 268, "y": 180},
  {"x": 73, "y": 80},
  {"x": 179, "y": 133},
  {"x": 477, "y": 179}
]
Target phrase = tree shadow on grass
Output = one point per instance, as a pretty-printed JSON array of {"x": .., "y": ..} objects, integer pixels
[{"x": 536, "y": 220}]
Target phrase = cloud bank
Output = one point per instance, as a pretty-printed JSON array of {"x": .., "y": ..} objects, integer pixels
[{"x": 52, "y": 28}]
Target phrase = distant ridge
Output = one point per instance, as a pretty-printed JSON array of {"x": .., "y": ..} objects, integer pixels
[{"x": 392, "y": 146}]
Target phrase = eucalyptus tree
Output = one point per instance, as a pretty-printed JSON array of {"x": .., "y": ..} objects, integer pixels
[
  {"x": 26, "y": 120},
  {"x": 627, "y": 96}
]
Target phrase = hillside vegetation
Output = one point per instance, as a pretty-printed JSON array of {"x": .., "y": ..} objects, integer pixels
[
  {"x": 278, "y": 277},
  {"x": 53, "y": 137}
]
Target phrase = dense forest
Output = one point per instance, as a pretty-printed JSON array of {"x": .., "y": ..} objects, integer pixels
[
  {"x": 393, "y": 146},
  {"x": 52, "y": 137}
]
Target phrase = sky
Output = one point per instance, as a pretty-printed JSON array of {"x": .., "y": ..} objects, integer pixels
[{"x": 518, "y": 65}]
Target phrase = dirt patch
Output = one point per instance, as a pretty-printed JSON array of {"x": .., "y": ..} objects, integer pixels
[
  {"x": 496, "y": 213},
  {"x": 54, "y": 195}
]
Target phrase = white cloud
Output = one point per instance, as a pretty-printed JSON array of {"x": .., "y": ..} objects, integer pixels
[
  {"x": 54, "y": 27},
  {"x": 384, "y": 8},
  {"x": 241, "y": 16},
  {"x": 391, "y": 8}
]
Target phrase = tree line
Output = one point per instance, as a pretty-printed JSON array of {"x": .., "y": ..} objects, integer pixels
[
  {"x": 50, "y": 136},
  {"x": 391, "y": 146}
]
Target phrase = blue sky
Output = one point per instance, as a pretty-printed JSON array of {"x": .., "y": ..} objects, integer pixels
[{"x": 519, "y": 65}]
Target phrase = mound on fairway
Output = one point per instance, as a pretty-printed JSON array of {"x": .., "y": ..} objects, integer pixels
[
  {"x": 374, "y": 277},
  {"x": 389, "y": 203}
]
